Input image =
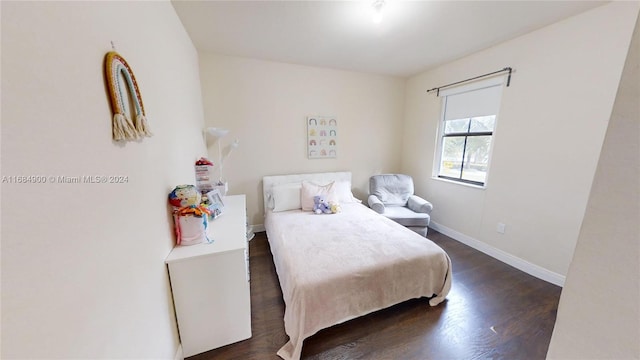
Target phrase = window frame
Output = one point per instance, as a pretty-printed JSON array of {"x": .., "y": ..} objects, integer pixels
[{"x": 441, "y": 135}]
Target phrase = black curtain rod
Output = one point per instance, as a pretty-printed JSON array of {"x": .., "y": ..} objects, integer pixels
[{"x": 437, "y": 89}]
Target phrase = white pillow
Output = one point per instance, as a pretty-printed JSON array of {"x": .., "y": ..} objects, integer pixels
[
  {"x": 309, "y": 190},
  {"x": 343, "y": 192},
  {"x": 286, "y": 196}
]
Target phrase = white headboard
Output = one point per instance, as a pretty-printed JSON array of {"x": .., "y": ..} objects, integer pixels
[{"x": 319, "y": 178}]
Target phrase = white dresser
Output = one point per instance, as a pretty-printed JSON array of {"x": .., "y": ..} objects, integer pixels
[{"x": 210, "y": 283}]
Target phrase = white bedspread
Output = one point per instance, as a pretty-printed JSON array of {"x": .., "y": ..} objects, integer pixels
[{"x": 333, "y": 268}]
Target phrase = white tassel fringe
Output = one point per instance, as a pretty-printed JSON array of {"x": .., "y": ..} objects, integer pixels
[
  {"x": 142, "y": 126},
  {"x": 123, "y": 128}
]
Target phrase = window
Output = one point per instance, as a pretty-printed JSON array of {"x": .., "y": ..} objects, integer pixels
[{"x": 466, "y": 131}]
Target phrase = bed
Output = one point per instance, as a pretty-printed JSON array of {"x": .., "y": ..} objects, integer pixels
[{"x": 336, "y": 267}]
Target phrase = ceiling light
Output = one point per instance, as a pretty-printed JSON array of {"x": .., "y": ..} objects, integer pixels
[{"x": 377, "y": 5}]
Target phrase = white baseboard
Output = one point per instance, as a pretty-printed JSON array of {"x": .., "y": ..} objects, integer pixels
[
  {"x": 516, "y": 262},
  {"x": 258, "y": 228},
  {"x": 179, "y": 354}
]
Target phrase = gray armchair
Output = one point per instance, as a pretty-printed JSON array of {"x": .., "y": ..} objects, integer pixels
[{"x": 392, "y": 196}]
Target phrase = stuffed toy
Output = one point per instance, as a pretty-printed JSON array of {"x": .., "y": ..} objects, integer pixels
[
  {"x": 190, "y": 216},
  {"x": 335, "y": 207},
  {"x": 185, "y": 195},
  {"x": 320, "y": 205}
]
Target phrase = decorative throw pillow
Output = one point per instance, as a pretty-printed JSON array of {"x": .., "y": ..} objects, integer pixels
[
  {"x": 286, "y": 197},
  {"x": 309, "y": 190},
  {"x": 343, "y": 192}
]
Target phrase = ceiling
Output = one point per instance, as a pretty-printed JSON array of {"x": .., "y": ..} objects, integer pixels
[{"x": 412, "y": 37}]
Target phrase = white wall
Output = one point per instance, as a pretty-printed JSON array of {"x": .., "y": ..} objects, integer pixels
[
  {"x": 265, "y": 105},
  {"x": 549, "y": 133},
  {"x": 599, "y": 311},
  {"x": 83, "y": 272}
]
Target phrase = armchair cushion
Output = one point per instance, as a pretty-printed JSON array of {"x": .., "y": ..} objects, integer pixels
[
  {"x": 391, "y": 189},
  {"x": 407, "y": 217}
]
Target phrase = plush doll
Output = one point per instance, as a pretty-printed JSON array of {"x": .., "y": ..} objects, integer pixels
[
  {"x": 185, "y": 195},
  {"x": 335, "y": 207},
  {"x": 320, "y": 205}
]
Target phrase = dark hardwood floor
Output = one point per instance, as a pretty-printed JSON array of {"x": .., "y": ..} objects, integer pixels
[{"x": 493, "y": 311}]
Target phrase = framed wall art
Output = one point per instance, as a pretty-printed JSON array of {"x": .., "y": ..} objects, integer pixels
[
  {"x": 216, "y": 205},
  {"x": 322, "y": 137}
]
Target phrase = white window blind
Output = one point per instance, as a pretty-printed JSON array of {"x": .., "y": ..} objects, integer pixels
[
  {"x": 479, "y": 98},
  {"x": 473, "y": 103}
]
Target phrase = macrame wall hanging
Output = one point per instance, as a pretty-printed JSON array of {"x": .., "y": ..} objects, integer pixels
[{"x": 125, "y": 128}]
